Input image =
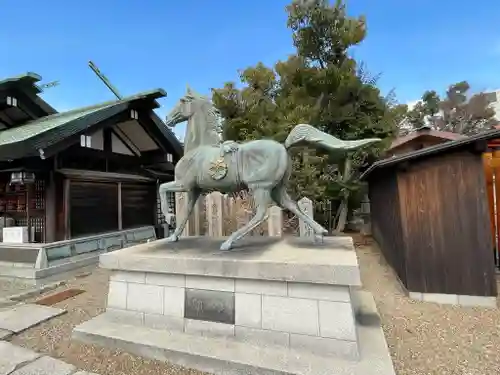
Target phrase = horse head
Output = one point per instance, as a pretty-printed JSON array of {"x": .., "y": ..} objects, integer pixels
[
  {"x": 187, "y": 106},
  {"x": 201, "y": 116}
]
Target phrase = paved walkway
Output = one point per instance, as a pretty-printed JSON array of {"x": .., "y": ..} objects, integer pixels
[
  {"x": 15, "y": 360},
  {"x": 21, "y": 317}
]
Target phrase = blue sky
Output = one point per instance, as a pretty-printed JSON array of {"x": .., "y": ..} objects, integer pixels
[{"x": 140, "y": 45}]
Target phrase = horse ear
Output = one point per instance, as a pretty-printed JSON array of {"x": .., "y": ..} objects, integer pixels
[{"x": 188, "y": 90}]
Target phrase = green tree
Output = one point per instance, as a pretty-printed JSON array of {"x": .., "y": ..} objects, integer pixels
[
  {"x": 321, "y": 85},
  {"x": 458, "y": 111}
]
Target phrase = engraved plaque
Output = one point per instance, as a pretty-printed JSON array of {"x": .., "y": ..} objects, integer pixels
[{"x": 209, "y": 305}]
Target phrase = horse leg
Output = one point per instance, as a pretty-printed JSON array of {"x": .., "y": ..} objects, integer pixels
[
  {"x": 192, "y": 197},
  {"x": 281, "y": 197},
  {"x": 169, "y": 187},
  {"x": 262, "y": 199}
]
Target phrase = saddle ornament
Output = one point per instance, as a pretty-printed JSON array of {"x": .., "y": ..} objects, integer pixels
[{"x": 218, "y": 169}]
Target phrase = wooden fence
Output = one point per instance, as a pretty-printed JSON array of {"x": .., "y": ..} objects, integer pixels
[{"x": 219, "y": 215}]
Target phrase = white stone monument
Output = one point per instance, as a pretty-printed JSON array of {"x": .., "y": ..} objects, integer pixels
[
  {"x": 215, "y": 213},
  {"x": 305, "y": 204},
  {"x": 268, "y": 307},
  {"x": 275, "y": 222}
]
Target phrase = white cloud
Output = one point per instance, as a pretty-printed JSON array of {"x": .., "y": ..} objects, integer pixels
[{"x": 412, "y": 104}]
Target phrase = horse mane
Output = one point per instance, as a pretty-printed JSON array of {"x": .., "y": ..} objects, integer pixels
[{"x": 206, "y": 133}]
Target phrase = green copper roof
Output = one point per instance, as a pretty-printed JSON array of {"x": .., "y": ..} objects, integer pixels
[
  {"x": 45, "y": 124},
  {"x": 27, "y": 83},
  {"x": 28, "y": 139},
  {"x": 28, "y": 77}
]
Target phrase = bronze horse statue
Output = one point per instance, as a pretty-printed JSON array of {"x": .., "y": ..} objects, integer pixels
[{"x": 263, "y": 167}]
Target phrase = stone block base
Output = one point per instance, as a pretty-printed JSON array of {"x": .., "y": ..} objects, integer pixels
[
  {"x": 220, "y": 355},
  {"x": 292, "y": 297}
]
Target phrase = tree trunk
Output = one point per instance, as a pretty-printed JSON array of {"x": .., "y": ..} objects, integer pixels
[{"x": 344, "y": 208}]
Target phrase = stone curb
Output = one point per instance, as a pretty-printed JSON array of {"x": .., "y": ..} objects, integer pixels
[
  {"x": 5, "y": 302},
  {"x": 19, "y": 297},
  {"x": 15, "y": 299}
]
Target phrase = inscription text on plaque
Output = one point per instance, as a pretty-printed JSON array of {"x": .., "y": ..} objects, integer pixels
[{"x": 209, "y": 305}]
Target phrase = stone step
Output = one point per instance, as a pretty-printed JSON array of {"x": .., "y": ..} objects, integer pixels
[{"x": 225, "y": 356}]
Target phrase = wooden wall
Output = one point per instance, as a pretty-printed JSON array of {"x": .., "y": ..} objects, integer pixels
[
  {"x": 386, "y": 220},
  {"x": 93, "y": 207},
  {"x": 442, "y": 243},
  {"x": 138, "y": 204},
  {"x": 105, "y": 195}
]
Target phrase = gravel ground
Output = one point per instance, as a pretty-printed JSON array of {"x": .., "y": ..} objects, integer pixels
[
  {"x": 427, "y": 338},
  {"x": 9, "y": 287},
  {"x": 424, "y": 338}
]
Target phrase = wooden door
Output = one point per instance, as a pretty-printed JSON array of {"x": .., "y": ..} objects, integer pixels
[
  {"x": 138, "y": 205},
  {"x": 93, "y": 208}
]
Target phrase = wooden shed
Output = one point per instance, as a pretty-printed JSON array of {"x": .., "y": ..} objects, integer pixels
[{"x": 429, "y": 213}]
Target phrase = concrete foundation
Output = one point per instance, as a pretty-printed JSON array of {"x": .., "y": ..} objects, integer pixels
[
  {"x": 455, "y": 299},
  {"x": 44, "y": 263}
]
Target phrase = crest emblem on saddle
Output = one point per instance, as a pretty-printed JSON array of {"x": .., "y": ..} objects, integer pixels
[{"x": 218, "y": 169}]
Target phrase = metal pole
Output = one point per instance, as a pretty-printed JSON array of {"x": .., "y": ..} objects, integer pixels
[{"x": 103, "y": 78}]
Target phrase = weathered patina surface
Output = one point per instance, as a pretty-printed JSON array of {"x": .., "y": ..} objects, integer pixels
[{"x": 262, "y": 166}]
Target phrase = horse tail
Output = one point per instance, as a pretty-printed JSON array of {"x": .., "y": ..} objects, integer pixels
[{"x": 304, "y": 133}]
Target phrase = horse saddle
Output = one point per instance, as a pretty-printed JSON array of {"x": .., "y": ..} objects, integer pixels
[{"x": 218, "y": 168}]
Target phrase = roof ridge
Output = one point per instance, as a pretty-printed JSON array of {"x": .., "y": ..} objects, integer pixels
[
  {"x": 34, "y": 77},
  {"x": 159, "y": 92}
]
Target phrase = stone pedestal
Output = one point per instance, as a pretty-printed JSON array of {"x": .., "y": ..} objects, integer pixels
[{"x": 216, "y": 311}]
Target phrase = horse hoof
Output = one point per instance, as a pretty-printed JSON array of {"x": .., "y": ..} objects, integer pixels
[
  {"x": 225, "y": 246},
  {"x": 318, "y": 239},
  {"x": 172, "y": 238},
  {"x": 321, "y": 231}
]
